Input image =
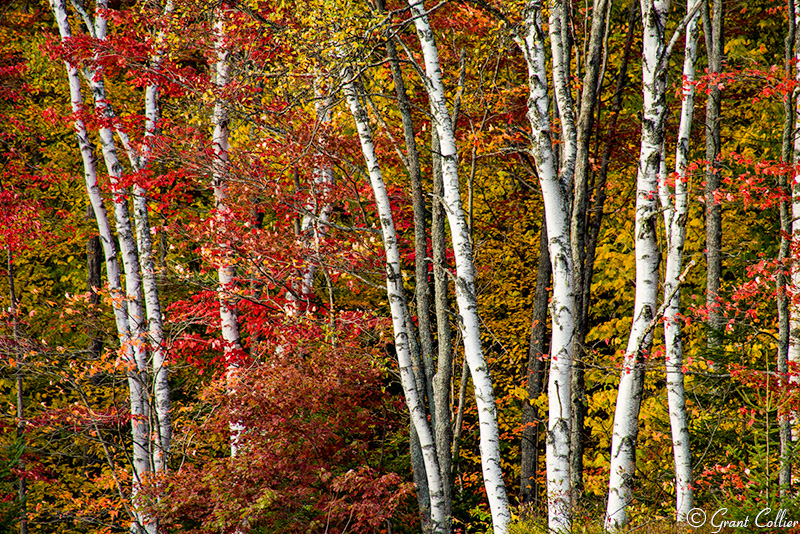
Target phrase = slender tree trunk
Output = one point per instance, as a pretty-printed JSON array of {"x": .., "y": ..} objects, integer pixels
[
  {"x": 788, "y": 321},
  {"x": 161, "y": 391},
  {"x": 578, "y": 236},
  {"x": 674, "y": 204},
  {"x": 398, "y": 306},
  {"x": 562, "y": 308},
  {"x": 783, "y": 275},
  {"x": 465, "y": 277},
  {"x": 444, "y": 365},
  {"x": 118, "y": 297},
  {"x": 558, "y": 26},
  {"x": 129, "y": 317},
  {"x": 447, "y": 439},
  {"x": 529, "y": 447},
  {"x": 629, "y": 396},
  {"x": 22, "y": 490},
  {"x": 437, "y": 376},
  {"x": 229, "y": 320},
  {"x": 714, "y": 50}
]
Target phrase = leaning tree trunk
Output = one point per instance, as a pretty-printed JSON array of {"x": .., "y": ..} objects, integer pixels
[
  {"x": 398, "y": 306},
  {"x": 675, "y": 206},
  {"x": 465, "y": 277},
  {"x": 118, "y": 297},
  {"x": 562, "y": 307},
  {"x": 629, "y": 396}
]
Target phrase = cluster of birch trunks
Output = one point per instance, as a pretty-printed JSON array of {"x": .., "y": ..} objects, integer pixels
[{"x": 567, "y": 255}]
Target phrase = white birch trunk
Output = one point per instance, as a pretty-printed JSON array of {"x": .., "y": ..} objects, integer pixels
[
  {"x": 626, "y": 416},
  {"x": 319, "y": 210},
  {"x": 555, "y": 192},
  {"x": 675, "y": 206},
  {"x": 128, "y": 248},
  {"x": 561, "y": 89},
  {"x": 162, "y": 425},
  {"x": 794, "y": 309},
  {"x": 118, "y": 297},
  {"x": 161, "y": 390},
  {"x": 229, "y": 320},
  {"x": 465, "y": 277},
  {"x": 397, "y": 303}
]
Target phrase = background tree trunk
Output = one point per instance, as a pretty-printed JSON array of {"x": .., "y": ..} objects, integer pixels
[
  {"x": 714, "y": 49},
  {"x": 529, "y": 447}
]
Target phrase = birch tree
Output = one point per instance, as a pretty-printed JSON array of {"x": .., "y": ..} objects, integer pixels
[
  {"x": 555, "y": 190},
  {"x": 229, "y": 321},
  {"x": 794, "y": 324},
  {"x": 629, "y": 396},
  {"x": 674, "y": 204},
  {"x": 465, "y": 275},
  {"x": 783, "y": 276},
  {"x": 128, "y": 317},
  {"x": 398, "y": 305}
]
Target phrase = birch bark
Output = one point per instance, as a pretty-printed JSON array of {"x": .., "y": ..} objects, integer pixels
[
  {"x": 557, "y": 213},
  {"x": 784, "y": 273},
  {"x": 118, "y": 296},
  {"x": 675, "y": 205},
  {"x": 626, "y": 416},
  {"x": 144, "y": 243},
  {"x": 161, "y": 390},
  {"x": 465, "y": 276},
  {"x": 578, "y": 238},
  {"x": 437, "y": 377},
  {"x": 229, "y": 321},
  {"x": 398, "y": 305}
]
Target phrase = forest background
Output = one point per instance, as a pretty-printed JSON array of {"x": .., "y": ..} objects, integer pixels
[{"x": 269, "y": 388}]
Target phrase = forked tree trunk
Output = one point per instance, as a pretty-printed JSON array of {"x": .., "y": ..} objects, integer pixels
[
  {"x": 580, "y": 240},
  {"x": 629, "y": 396},
  {"x": 674, "y": 204},
  {"x": 398, "y": 306},
  {"x": 465, "y": 276},
  {"x": 562, "y": 308},
  {"x": 118, "y": 297}
]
